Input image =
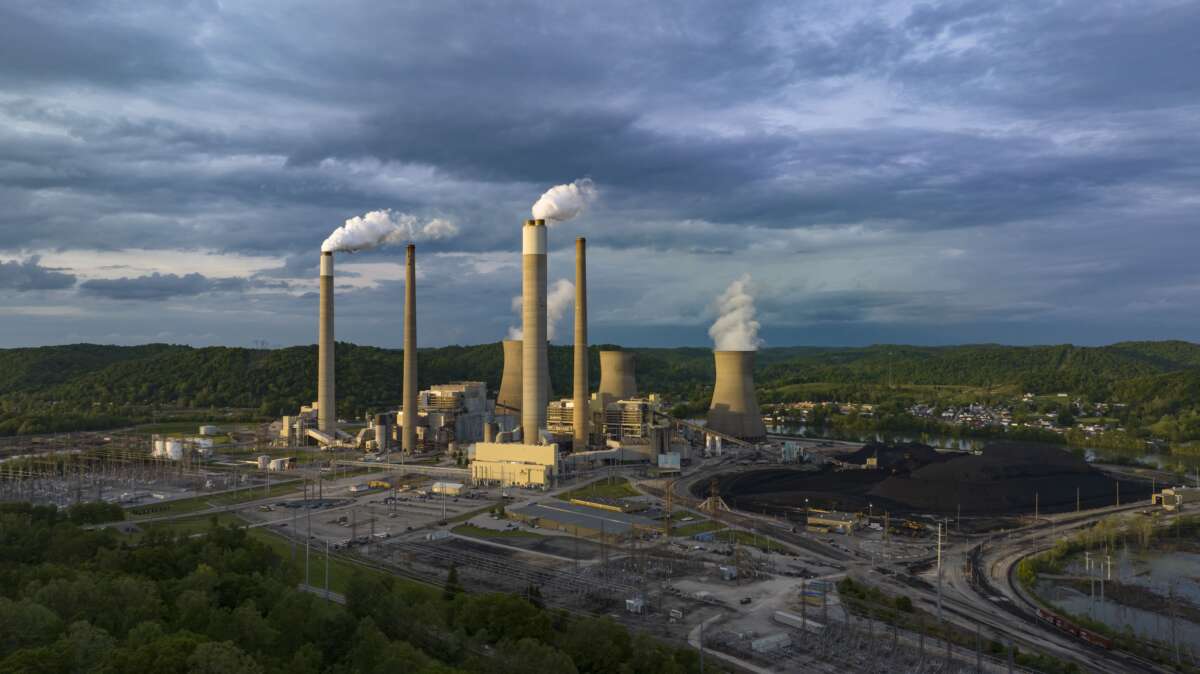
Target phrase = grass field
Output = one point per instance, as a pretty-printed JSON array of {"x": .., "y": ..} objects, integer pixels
[
  {"x": 198, "y": 503},
  {"x": 693, "y": 528},
  {"x": 340, "y": 569},
  {"x": 618, "y": 488}
]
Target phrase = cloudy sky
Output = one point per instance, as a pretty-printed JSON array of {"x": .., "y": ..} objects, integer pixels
[{"x": 1018, "y": 172}]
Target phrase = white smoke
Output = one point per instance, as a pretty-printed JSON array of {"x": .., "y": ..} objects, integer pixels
[
  {"x": 563, "y": 202},
  {"x": 560, "y": 298},
  {"x": 735, "y": 328},
  {"x": 381, "y": 228}
]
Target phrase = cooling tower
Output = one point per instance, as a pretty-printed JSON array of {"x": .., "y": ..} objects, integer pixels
[
  {"x": 408, "y": 440},
  {"x": 579, "y": 416},
  {"x": 535, "y": 375},
  {"x": 508, "y": 400},
  {"x": 734, "y": 409},
  {"x": 327, "y": 406},
  {"x": 616, "y": 375}
]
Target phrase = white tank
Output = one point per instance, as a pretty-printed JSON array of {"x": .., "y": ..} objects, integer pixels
[
  {"x": 174, "y": 450},
  {"x": 264, "y": 462}
]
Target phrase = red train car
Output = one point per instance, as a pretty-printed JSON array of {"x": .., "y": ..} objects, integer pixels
[{"x": 1075, "y": 630}]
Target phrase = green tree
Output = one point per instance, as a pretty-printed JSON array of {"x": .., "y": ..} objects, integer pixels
[
  {"x": 221, "y": 657},
  {"x": 452, "y": 588}
]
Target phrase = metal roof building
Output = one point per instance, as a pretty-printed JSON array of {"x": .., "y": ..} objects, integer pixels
[{"x": 582, "y": 520}]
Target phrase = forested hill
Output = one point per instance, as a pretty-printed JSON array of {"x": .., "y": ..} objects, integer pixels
[{"x": 86, "y": 378}]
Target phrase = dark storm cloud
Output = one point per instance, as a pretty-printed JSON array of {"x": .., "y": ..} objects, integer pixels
[
  {"x": 30, "y": 275},
  {"x": 157, "y": 287},
  {"x": 1052, "y": 145},
  {"x": 97, "y": 43}
]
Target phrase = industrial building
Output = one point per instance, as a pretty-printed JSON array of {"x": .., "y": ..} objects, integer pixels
[
  {"x": 828, "y": 521},
  {"x": 1173, "y": 498},
  {"x": 512, "y": 464},
  {"x": 583, "y": 521},
  {"x": 455, "y": 412}
]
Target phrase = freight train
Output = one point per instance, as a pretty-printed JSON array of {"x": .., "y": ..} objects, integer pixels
[{"x": 1075, "y": 630}]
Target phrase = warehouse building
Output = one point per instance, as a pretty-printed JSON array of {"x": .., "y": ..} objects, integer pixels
[
  {"x": 828, "y": 521},
  {"x": 583, "y": 521},
  {"x": 513, "y": 464}
]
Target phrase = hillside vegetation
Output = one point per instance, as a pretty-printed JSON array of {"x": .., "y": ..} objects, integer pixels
[{"x": 92, "y": 386}]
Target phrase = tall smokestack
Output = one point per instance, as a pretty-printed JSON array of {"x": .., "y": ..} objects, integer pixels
[
  {"x": 616, "y": 375},
  {"x": 409, "y": 440},
  {"x": 535, "y": 373},
  {"x": 580, "y": 413},
  {"x": 508, "y": 400},
  {"x": 326, "y": 405},
  {"x": 734, "y": 410}
]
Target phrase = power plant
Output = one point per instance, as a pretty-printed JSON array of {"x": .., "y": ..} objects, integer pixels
[
  {"x": 326, "y": 405},
  {"x": 734, "y": 410},
  {"x": 613, "y": 425},
  {"x": 535, "y": 383}
]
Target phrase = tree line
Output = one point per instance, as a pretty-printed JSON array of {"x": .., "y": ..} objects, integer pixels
[{"x": 76, "y": 600}]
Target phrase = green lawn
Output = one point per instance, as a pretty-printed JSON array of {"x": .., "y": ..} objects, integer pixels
[
  {"x": 193, "y": 525},
  {"x": 480, "y": 532},
  {"x": 749, "y": 538},
  {"x": 198, "y": 503},
  {"x": 617, "y": 488},
  {"x": 693, "y": 528},
  {"x": 340, "y": 568},
  {"x": 469, "y": 514}
]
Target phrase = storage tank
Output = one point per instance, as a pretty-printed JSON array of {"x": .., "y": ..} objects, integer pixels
[
  {"x": 174, "y": 450},
  {"x": 264, "y": 462}
]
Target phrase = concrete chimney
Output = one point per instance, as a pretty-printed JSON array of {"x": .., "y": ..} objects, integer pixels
[
  {"x": 408, "y": 441},
  {"x": 326, "y": 404},
  {"x": 617, "y": 375},
  {"x": 508, "y": 400},
  {"x": 580, "y": 414},
  {"x": 535, "y": 382},
  {"x": 734, "y": 410}
]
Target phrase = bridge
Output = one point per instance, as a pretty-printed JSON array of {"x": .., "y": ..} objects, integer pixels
[{"x": 701, "y": 428}]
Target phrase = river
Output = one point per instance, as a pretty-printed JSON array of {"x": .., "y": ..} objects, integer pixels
[{"x": 1150, "y": 459}]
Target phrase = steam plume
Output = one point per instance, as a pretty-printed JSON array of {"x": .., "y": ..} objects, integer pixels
[
  {"x": 563, "y": 202},
  {"x": 380, "y": 228},
  {"x": 560, "y": 298},
  {"x": 735, "y": 328}
]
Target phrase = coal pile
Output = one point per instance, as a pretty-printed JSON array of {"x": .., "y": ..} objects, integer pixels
[
  {"x": 1004, "y": 480},
  {"x": 1006, "y": 477},
  {"x": 898, "y": 458}
]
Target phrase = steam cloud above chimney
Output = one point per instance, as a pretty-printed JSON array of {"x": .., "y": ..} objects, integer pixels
[
  {"x": 560, "y": 298},
  {"x": 385, "y": 227},
  {"x": 735, "y": 328},
  {"x": 563, "y": 202}
]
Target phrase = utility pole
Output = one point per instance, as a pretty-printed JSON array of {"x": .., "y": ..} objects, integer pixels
[
  {"x": 1036, "y": 506},
  {"x": 327, "y": 568}
]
